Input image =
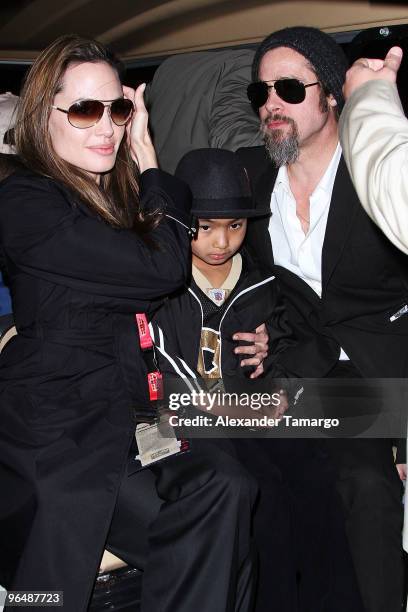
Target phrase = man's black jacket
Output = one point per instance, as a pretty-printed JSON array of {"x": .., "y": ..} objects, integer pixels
[{"x": 364, "y": 283}]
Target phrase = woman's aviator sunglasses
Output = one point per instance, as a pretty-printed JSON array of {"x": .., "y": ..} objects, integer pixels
[
  {"x": 86, "y": 113},
  {"x": 288, "y": 90}
]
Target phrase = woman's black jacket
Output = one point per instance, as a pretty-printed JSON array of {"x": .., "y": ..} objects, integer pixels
[{"x": 72, "y": 382}]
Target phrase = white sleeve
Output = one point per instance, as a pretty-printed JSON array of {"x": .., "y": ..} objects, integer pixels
[{"x": 374, "y": 137}]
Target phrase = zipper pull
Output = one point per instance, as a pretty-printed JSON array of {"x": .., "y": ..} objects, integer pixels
[{"x": 399, "y": 313}]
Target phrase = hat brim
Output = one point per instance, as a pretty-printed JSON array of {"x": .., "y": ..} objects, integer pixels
[
  {"x": 226, "y": 208},
  {"x": 230, "y": 214}
]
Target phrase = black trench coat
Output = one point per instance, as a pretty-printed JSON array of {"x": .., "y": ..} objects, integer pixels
[{"x": 72, "y": 380}]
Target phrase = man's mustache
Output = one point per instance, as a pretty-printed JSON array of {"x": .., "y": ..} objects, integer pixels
[{"x": 276, "y": 117}]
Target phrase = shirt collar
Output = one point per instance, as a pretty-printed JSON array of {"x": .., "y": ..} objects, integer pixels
[
  {"x": 282, "y": 179},
  {"x": 325, "y": 183},
  {"x": 327, "y": 180}
]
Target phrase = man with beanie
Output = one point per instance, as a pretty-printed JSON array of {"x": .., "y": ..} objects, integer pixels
[{"x": 342, "y": 281}]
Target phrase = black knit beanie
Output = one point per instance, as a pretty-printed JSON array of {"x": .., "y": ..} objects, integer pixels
[{"x": 321, "y": 50}]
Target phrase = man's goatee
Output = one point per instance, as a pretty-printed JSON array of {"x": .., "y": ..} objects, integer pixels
[{"x": 282, "y": 149}]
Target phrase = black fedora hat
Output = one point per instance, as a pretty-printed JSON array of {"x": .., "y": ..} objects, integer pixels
[{"x": 219, "y": 184}]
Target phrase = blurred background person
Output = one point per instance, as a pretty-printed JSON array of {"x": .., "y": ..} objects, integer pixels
[
  {"x": 8, "y": 104},
  {"x": 198, "y": 100},
  {"x": 374, "y": 137}
]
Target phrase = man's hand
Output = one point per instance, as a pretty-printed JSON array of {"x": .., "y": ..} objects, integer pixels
[
  {"x": 402, "y": 470},
  {"x": 365, "y": 69},
  {"x": 259, "y": 348}
]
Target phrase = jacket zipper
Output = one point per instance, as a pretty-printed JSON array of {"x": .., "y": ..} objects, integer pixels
[
  {"x": 241, "y": 293},
  {"x": 202, "y": 315},
  {"x": 159, "y": 344}
]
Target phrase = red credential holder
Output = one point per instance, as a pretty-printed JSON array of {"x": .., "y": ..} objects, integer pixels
[{"x": 154, "y": 376}]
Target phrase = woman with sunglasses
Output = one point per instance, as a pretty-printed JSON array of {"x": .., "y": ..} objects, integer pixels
[{"x": 92, "y": 233}]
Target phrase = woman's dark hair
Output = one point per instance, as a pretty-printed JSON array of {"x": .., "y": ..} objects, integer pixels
[{"x": 116, "y": 199}]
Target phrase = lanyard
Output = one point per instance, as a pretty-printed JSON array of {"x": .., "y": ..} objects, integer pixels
[{"x": 154, "y": 376}]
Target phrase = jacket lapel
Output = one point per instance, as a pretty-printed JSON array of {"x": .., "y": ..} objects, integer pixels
[
  {"x": 264, "y": 187},
  {"x": 343, "y": 207},
  {"x": 260, "y": 238}
]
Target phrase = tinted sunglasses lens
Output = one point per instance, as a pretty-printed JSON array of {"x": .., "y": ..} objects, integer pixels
[
  {"x": 290, "y": 90},
  {"x": 85, "y": 114},
  {"x": 257, "y": 93},
  {"x": 121, "y": 110}
]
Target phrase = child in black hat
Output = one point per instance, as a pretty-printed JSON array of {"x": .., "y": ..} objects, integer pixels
[{"x": 229, "y": 291}]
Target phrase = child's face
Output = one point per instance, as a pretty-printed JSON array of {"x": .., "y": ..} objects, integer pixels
[{"x": 218, "y": 240}]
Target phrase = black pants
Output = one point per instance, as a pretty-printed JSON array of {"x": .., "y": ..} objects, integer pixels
[
  {"x": 371, "y": 493},
  {"x": 186, "y": 522},
  {"x": 304, "y": 559}
]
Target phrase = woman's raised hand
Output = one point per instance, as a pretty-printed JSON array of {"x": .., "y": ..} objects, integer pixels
[{"x": 140, "y": 142}]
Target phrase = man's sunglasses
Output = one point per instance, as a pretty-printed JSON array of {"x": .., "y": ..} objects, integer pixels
[
  {"x": 86, "y": 113},
  {"x": 288, "y": 90}
]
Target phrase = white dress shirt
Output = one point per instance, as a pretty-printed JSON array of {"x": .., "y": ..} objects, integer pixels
[{"x": 293, "y": 249}]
